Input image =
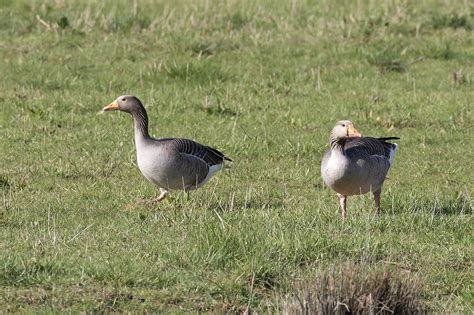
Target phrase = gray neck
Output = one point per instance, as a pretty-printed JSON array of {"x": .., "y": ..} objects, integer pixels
[{"x": 140, "y": 121}]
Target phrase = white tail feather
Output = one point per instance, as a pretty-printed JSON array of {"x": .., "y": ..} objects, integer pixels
[
  {"x": 212, "y": 170},
  {"x": 393, "y": 151}
]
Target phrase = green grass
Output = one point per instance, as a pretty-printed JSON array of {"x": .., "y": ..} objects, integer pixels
[{"x": 264, "y": 82}]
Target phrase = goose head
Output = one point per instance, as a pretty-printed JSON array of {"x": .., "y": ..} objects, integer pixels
[
  {"x": 125, "y": 103},
  {"x": 344, "y": 129}
]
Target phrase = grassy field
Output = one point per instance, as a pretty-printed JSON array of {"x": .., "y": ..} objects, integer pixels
[{"x": 264, "y": 82}]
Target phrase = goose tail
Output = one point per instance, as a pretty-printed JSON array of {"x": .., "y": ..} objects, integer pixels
[{"x": 393, "y": 151}]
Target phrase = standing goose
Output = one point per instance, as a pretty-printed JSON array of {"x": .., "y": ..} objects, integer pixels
[
  {"x": 170, "y": 163},
  {"x": 356, "y": 165}
]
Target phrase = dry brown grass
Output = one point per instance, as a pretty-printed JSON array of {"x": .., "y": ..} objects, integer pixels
[{"x": 354, "y": 290}]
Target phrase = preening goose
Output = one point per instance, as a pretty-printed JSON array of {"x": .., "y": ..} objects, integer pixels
[
  {"x": 170, "y": 163},
  {"x": 356, "y": 165}
]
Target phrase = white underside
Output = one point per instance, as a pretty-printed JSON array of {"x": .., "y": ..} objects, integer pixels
[
  {"x": 212, "y": 170},
  {"x": 349, "y": 177}
]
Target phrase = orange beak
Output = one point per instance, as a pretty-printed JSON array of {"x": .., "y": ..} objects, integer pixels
[
  {"x": 353, "y": 132},
  {"x": 111, "y": 106}
]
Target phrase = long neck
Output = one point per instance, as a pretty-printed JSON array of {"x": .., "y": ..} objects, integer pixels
[
  {"x": 140, "y": 121},
  {"x": 337, "y": 144}
]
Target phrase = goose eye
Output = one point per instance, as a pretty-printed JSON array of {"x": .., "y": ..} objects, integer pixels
[
  {"x": 343, "y": 125},
  {"x": 123, "y": 100}
]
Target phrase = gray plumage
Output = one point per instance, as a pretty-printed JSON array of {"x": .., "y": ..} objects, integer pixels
[
  {"x": 355, "y": 164},
  {"x": 177, "y": 163},
  {"x": 169, "y": 163}
]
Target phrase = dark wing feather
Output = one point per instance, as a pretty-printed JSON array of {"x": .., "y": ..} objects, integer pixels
[
  {"x": 371, "y": 146},
  {"x": 210, "y": 155}
]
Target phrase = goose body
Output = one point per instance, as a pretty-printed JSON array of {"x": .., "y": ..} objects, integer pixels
[
  {"x": 169, "y": 163},
  {"x": 356, "y": 165},
  {"x": 355, "y": 170}
]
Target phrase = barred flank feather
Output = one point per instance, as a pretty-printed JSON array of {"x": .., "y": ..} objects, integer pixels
[{"x": 210, "y": 155}]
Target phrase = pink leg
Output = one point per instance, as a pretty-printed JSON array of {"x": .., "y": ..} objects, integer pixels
[
  {"x": 377, "y": 200},
  {"x": 163, "y": 193},
  {"x": 343, "y": 204}
]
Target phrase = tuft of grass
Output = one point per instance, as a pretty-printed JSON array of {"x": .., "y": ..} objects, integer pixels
[
  {"x": 203, "y": 47},
  {"x": 193, "y": 72},
  {"x": 451, "y": 20},
  {"x": 235, "y": 21},
  {"x": 4, "y": 183},
  {"x": 354, "y": 290},
  {"x": 460, "y": 78},
  {"x": 438, "y": 50},
  {"x": 387, "y": 58}
]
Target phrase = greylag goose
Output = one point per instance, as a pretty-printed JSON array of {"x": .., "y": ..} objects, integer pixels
[
  {"x": 356, "y": 165},
  {"x": 169, "y": 163}
]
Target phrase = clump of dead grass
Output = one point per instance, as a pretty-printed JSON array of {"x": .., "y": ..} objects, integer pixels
[{"x": 356, "y": 290}]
